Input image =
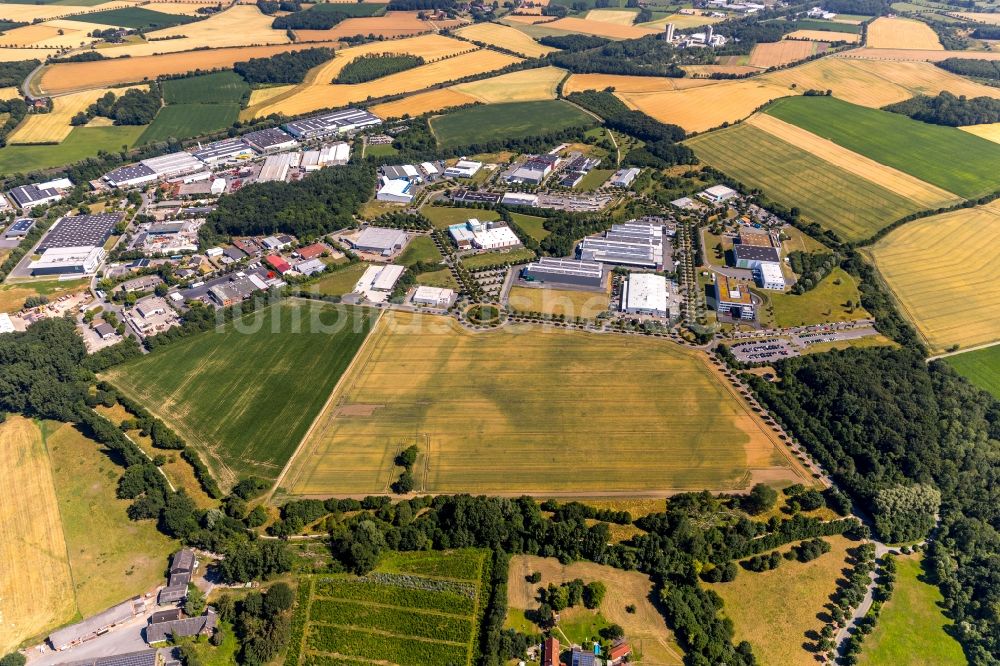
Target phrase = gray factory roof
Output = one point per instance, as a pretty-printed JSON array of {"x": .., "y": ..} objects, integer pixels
[
  {"x": 140, "y": 658},
  {"x": 379, "y": 238},
  {"x": 619, "y": 252},
  {"x": 335, "y": 121},
  {"x": 755, "y": 253},
  {"x": 221, "y": 149},
  {"x": 81, "y": 230},
  {"x": 28, "y": 194},
  {"x": 555, "y": 266},
  {"x": 266, "y": 138},
  {"x": 129, "y": 173}
]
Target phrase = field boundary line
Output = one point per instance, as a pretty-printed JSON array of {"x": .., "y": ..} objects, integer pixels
[
  {"x": 985, "y": 345},
  {"x": 335, "y": 393},
  {"x": 908, "y": 314}
]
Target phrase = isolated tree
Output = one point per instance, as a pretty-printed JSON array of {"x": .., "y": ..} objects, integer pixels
[{"x": 761, "y": 498}]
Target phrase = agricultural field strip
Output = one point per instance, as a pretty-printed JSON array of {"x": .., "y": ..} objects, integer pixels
[
  {"x": 512, "y": 39},
  {"x": 55, "y": 126},
  {"x": 422, "y": 102},
  {"x": 528, "y": 85},
  {"x": 902, "y": 33},
  {"x": 892, "y": 179}
]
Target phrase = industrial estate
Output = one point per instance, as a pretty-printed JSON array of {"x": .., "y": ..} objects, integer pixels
[{"x": 445, "y": 332}]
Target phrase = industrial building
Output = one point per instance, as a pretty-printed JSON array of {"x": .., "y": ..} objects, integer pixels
[
  {"x": 645, "y": 294},
  {"x": 28, "y": 196},
  {"x": 469, "y": 196},
  {"x": 220, "y": 152},
  {"x": 378, "y": 282},
  {"x": 83, "y": 260},
  {"x": 277, "y": 167},
  {"x": 748, "y": 256},
  {"x": 130, "y": 175},
  {"x": 733, "y": 299},
  {"x": 20, "y": 228},
  {"x": 519, "y": 199},
  {"x": 758, "y": 238},
  {"x": 624, "y": 177},
  {"x": 310, "y": 266},
  {"x": 718, "y": 194},
  {"x": 402, "y": 172},
  {"x": 236, "y": 290},
  {"x": 565, "y": 271},
  {"x": 80, "y": 230},
  {"x": 270, "y": 140},
  {"x": 437, "y": 297},
  {"x": 395, "y": 191},
  {"x": 534, "y": 170},
  {"x": 174, "y": 164},
  {"x": 377, "y": 240},
  {"x": 769, "y": 276},
  {"x": 494, "y": 235},
  {"x": 335, "y": 122},
  {"x": 6, "y": 325},
  {"x": 634, "y": 243},
  {"x": 463, "y": 169},
  {"x": 334, "y": 154}
]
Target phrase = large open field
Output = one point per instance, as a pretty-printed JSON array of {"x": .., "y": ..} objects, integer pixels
[
  {"x": 823, "y": 304},
  {"x": 626, "y": 84},
  {"x": 786, "y": 51},
  {"x": 268, "y": 374},
  {"x": 421, "y": 103},
  {"x": 824, "y": 36},
  {"x": 645, "y": 628},
  {"x": 571, "y": 304},
  {"x": 774, "y": 609},
  {"x": 682, "y": 21},
  {"x": 28, "y": 12},
  {"x": 524, "y": 86},
  {"x": 57, "y": 33},
  {"x": 928, "y": 152},
  {"x": 509, "y": 120},
  {"x": 940, "y": 271},
  {"x": 82, "y": 142},
  {"x": 512, "y": 39},
  {"x": 901, "y": 33},
  {"x": 540, "y": 418},
  {"x": 54, "y": 127},
  {"x": 40, "y": 595},
  {"x": 183, "y": 121},
  {"x": 601, "y": 28},
  {"x": 215, "y": 88},
  {"x": 136, "y": 18},
  {"x": 392, "y": 25},
  {"x": 825, "y": 193},
  {"x": 911, "y": 629},
  {"x": 415, "y": 609},
  {"x": 981, "y": 367}
]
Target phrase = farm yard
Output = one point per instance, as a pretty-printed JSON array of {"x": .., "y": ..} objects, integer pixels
[
  {"x": 269, "y": 373},
  {"x": 415, "y": 608},
  {"x": 513, "y": 120},
  {"x": 827, "y": 194},
  {"x": 495, "y": 34},
  {"x": 981, "y": 367},
  {"x": 524, "y": 86},
  {"x": 938, "y": 268},
  {"x": 902, "y": 33},
  {"x": 526, "y": 438}
]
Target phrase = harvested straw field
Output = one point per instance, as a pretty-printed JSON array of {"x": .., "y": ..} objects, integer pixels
[
  {"x": 28, "y": 12},
  {"x": 775, "y": 54},
  {"x": 67, "y": 77},
  {"x": 917, "y": 54},
  {"x": 58, "y": 34},
  {"x": 312, "y": 96},
  {"x": 54, "y": 127},
  {"x": 645, "y": 628},
  {"x": 910, "y": 187},
  {"x": 429, "y": 47},
  {"x": 419, "y": 376},
  {"x": 682, "y": 21},
  {"x": 823, "y": 36},
  {"x": 706, "y": 71},
  {"x": 415, "y": 105},
  {"x": 833, "y": 197},
  {"x": 630, "y": 84},
  {"x": 616, "y": 16},
  {"x": 989, "y": 131},
  {"x": 392, "y": 24},
  {"x": 940, "y": 270},
  {"x": 183, "y": 8},
  {"x": 600, "y": 28},
  {"x": 512, "y": 39},
  {"x": 12, "y": 55},
  {"x": 40, "y": 596},
  {"x": 902, "y": 33},
  {"x": 527, "y": 19},
  {"x": 587, "y": 304},
  {"x": 261, "y": 95},
  {"x": 9, "y": 93},
  {"x": 524, "y": 86}
]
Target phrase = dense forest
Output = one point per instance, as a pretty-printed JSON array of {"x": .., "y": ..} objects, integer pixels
[
  {"x": 15, "y": 109},
  {"x": 573, "y": 42},
  {"x": 135, "y": 107},
  {"x": 983, "y": 69},
  {"x": 12, "y": 74},
  {"x": 287, "y": 67},
  {"x": 648, "y": 56},
  {"x": 319, "y": 203},
  {"x": 373, "y": 66},
  {"x": 323, "y": 16},
  {"x": 947, "y": 109},
  {"x": 984, "y": 32}
]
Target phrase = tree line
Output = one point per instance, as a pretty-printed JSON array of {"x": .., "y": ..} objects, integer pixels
[
  {"x": 371, "y": 66},
  {"x": 947, "y": 109},
  {"x": 286, "y": 67},
  {"x": 646, "y": 56}
]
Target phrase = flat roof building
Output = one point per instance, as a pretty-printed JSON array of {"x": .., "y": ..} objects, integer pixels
[
  {"x": 334, "y": 122},
  {"x": 463, "y": 169},
  {"x": 718, "y": 194},
  {"x": 565, "y": 271},
  {"x": 395, "y": 191},
  {"x": 733, "y": 299},
  {"x": 6, "y": 325},
  {"x": 130, "y": 175},
  {"x": 28, "y": 196},
  {"x": 68, "y": 261},
  {"x": 624, "y": 177},
  {"x": 519, "y": 199},
  {"x": 20, "y": 228},
  {"x": 401, "y": 172},
  {"x": 378, "y": 282},
  {"x": 493, "y": 235},
  {"x": 758, "y": 238},
  {"x": 270, "y": 140},
  {"x": 631, "y": 244},
  {"x": 378, "y": 240},
  {"x": 79, "y": 230},
  {"x": 277, "y": 167},
  {"x": 174, "y": 164},
  {"x": 227, "y": 150},
  {"x": 645, "y": 294},
  {"x": 769, "y": 276},
  {"x": 437, "y": 297},
  {"x": 748, "y": 256}
]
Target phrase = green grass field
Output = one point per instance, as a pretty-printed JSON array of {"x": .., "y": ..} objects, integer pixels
[
  {"x": 836, "y": 199},
  {"x": 215, "y": 88},
  {"x": 421, "y": 248},
  {"x": 246, "y": 393},
  {"x": 823, "y": 304},
  {"x": 442, "y": 278},
  {"x": 515, "y": 256},
  {"x": 911, "y": 628},
  {"x": 380, "y": 150},
  {"x": 183, "y": 121},
  {"x": 442, "y": 216},
  {"x": 532, "y": 225},
  {"x": 415, "y": 608},
  {"x": 340, "y": 282},
  {"x": 135, "y": 17},
  {"x": 512, "y": 121},
  {"x": 82, "y": 142},
  {"x": 981, "y": 367},
  {"x": 595, "y": 179},
  {"x": 929, "y": 152}
]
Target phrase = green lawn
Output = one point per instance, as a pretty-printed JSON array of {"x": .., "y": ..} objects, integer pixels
[
  {"x": 531, "y": 225},
  {"x": 215, "y": 88},
  {"x": 512, "y": 121},
  {"x": 82, "y": 142},
  {"x": 340, "y": 282},
  {"x": 822, "y": 304},
  {"x": 210, "y": 655},
  {"x": 245, "y": 394},
  {"x": 829, "y": 26},
  {"x": 135, "y": 17},
  {"x": 380, "y": 150},
  {"x": 981, "y": 367},
  {"x": 911, "y": 626},
  {"x": 442, "y": 217},
  {"x": 442, "y": 278},
  {"x": 421, "y": 248},
  {"x": 947, "y": 157},
  {"x": 595, "y": 179},
  {"x": 835, "y": 198},
  {"x": 516, "y": 256},
  {"x": 183, "y": 121}
]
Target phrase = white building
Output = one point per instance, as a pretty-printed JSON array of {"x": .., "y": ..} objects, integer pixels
[
  {"x": 173, "y": 164},
  {"x": 220, "y": 152},
  {"x": 6, "y": 325},
  {"x": 768, "y": 276},
  {"x": 645, "y": 294},
  {"x": 396, "y": 191},
  {"x": 218, "y": 186},
  {"x": 484, "y": 235},
  {"x": 624, "y": 177},
  {"x": 429, "y": 169},
  {"x": 463, "y": 169},
  {"x": 718, "y": 194},
  {"x": 29, "y": 196},
  {"x": 378, "y": 281},
  {"x": 276, "y": 167},
  {"x": 519, "y": 199},
  {"x": 84, "y": 260},
  {"x": 310, "y": 266},
  {"x": 433, "y": 296}
]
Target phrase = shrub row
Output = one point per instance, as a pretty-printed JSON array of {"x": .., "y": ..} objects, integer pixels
[{"x": 208, "y": 483}]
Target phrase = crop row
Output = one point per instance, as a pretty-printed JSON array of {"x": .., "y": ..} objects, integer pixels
[
  {"x": 412, "y": 582},
  {"x": 392, "y": 620},
  {"x": 391, "y": 595},
  {"x": 327, "y": 660},
  {"x": 401, "y": 651},
  {"x": 298, "y": 624},
  {"x": 458, "y": 564}
]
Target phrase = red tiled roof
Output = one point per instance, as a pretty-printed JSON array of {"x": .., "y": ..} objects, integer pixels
[
  {"x": 619, "y": 651},
  {"x": 313, "y": 251},
  {"x": 278, "y": 264},
  {"x": 551, "y": 652}
]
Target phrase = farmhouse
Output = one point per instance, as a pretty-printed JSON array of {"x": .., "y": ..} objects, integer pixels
[
  {"x": 97, "y": 624},
  {"x": 378, "y": 281},
  {"x": 718, "y": 193},
  {"x": 624, "y": 177},
  {"x": 20, "y": 228},
  {"x": 768, "y": 276},
  {"x": 335, "y": 122},
  {"x": 618, "y": 653},
  {"x": 182, "y": 566},
  {"x": 83, "y": 260},
  {"x": 494, "y": 235},
  {"x": 270, "y": 140},
  {"x": 79, "y": 230},
  {"x": 630, "y": 244},
  {"x": 748, "y": 256},
  {"x": 645, "y": 294},
  {"x": 733, "y": 299},
  {"x": 565, "y": 271},
  {"x": 202, "y": 625},
  {"x": 433, "y": 296},
  {"x": 376, "y": 240},
  {"x": 29, "y": 196},
  {"x": 463, "y": 169},
  {"x": 395, "y": 191},
  {"x": 220, "y": 152}
]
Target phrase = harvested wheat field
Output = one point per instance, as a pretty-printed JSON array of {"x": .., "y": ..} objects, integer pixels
[
  {"x": 616, "y": 16},
  {"x": 824, "y": 36},
  {"x": 425, "y": 102},
  {"x": 512, "y": 39},
  {"x": 311, "y": 97},
  {"x": 524, "y": 86},
  {"x": 419, "y": 376},
  {"x": 9, "y": 93},
  {"x": 645, "y": 628},
  {"x": 600, "y": 28},
  {"x": 40, "y": 596},
  {"x": 706, "y": 71},
  {"x": 54, "y": 127},
  {"x": 905, "y": 185},
  {"x": 261, "y": 95},
  {"x": 57, "y": 34},
  {"x": 700, "y": 109},
  {"x": 12, "y": 55},
  {"x": 630, "y": 84},
  {"x": 941, "y": 271},
  {"x": 528, "y": 19},
  {"x": 682, "y": 21},
  {"x": 990, "y": 131},
  {"x": 28, "y": 13},
  {"x": 67, "y": 77},
  {"x": 429, "y": 47},
  {"x": 916, "y": 54},
  {"x": 181, "y": 8},
  {"x": 902, "y": 33},
  {"x": 392, "y": 24}
]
